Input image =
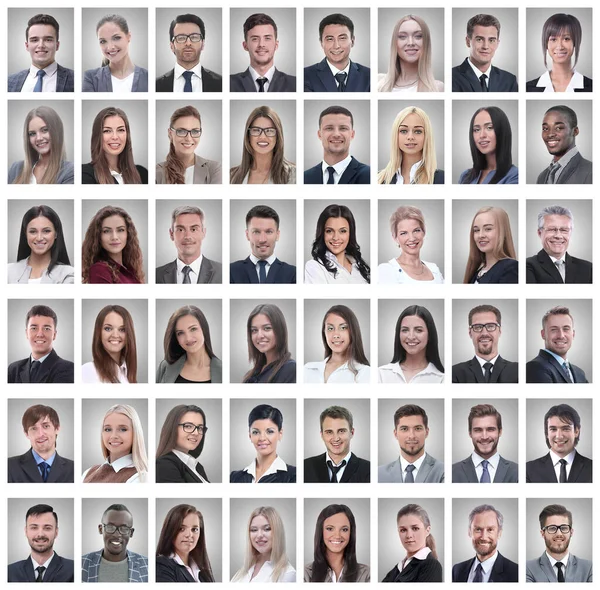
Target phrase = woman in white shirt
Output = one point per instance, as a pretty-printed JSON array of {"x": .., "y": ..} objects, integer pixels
[{"x": 266, "y": 559}]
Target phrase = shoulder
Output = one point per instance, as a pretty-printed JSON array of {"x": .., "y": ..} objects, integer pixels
[
  {"x": 532, "y": 85},
  {"x": 66, "y": 174},
  {"x": 363, "y": 573},
  {"x": 143, "y": 172},
  {"x": 15, "y": 170},
  {"x": 308, "y": 569},
  {"x": 87, "y": 174},
  {"x": 240, "y": 476},
  {"x": 439, "y": 86},
  {"x": 512, "y": 176},
  {"x": 89, "y": 373},
  {"x": 100, "y": 273},
  {"x": 314, "y": 175},
  {"x": 287, "y": 373},
  {"x": 463, "y": 175}
]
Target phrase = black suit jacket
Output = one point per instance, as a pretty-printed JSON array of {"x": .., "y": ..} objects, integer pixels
[
  {"x": 542, "y": 471},
  {"x": 167, "y": 570},
  {"x": 504, "y": 271},
  {"x": 470, "y": 372},
  {"x": 288, "y": 476},
  {"x": 281, "y": 82},
  {"x": 504, "y": 570},
  {"x": 211, "y": 82},
  {"x": 53, "y": 370},
  {"x": 540, "y": 269},
  {"x": 59, "y": 570},
  {"x": 210, "y": 272},
  {"x": 577, "y": 171},
  {"x": 244, "y": 271},
  {"x": 438, "y": 177},
  {"x": 357, "y": 471},
  {"x": 170, "y": 469},
  {"x": 88, "y": 176},
  {"x": 418, "y": 570},
  {"x": 465, "y": 80},
  {"x": 23, "y": 469},
  {"x": 355, "y": 173},
  {"x": 532, "y": 86},
  {"x": 318, "y": 78},
  {"x": 544, "y": 368}
]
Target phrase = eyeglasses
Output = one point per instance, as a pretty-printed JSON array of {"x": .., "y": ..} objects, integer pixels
[
  {"x": 563, "y": 231},
  {"x": 189, "y": 428},
  {"x": 491, "y": 327},
  {"x": 184, "y": 132},
  {"x": 553, "y": 529},
  {"x": 258, "y": 131},
  {"x": 111, "y": 528},
  {"x": 181, "y": 39}
]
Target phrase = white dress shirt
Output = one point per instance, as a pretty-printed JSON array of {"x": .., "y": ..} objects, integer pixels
[
  {"x": 265, "y": 573},
  {"x": 192, "y": 568},
  {"x": 48, "y": 81},
  {"x": 553, "y": 562},
  {"x": 179, "y": 80},
  {"x": 546, "y": 82},
  {"x": 561, "y": 361},
  {"x": 411, "y": 174},
  {"x": 270, "y": 260},
  {"x": 483, "y": 361},
  {"x": 391, "y": 273},
  {"x": 487, "y": 566},
  {"x": 560, "y": 265},
  {"x": 46, "y": 564},
  {"x": 335, "y": 71},
  {"x": 121, "y": 463},
  {"x": 314, "y": 372},
  {"x": 342, "y": 469},
  {"x": 392, "y": 373},
  {"x": 492, "y": 465},
  {"x": 417, "y": 465},
  {"x": 194, "y": 272},
  {"x": 190, "y": 462},
  {"x": 277, "y": 465},
  {"x": 268, "y": 75},
  {"x": 557, "y": 464},
  {"x": 117, "y": 176},
  {"x": 122, "y": 85},
  {"x": 316, "y": 274},
  {"x": 89, "y": 374},
  {"x": 478, "y": 73},
  {"x": 338, "y": 168},
  {"x": 421, "y": 554}
]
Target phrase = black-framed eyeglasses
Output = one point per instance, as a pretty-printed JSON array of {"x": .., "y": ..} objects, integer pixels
[
  {"x": 180, "y": 132},
  {"x": 123, "y": 529},
  {"x": 258, "y": 131},
  {"x": 181, "y": 39},
  {"x": 552, "y": 529},
  {"x": 491, "y": 327},
  {"x": 189, "y": 428}
]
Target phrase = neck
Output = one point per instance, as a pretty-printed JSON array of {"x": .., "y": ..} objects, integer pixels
[
  {"x": 113, "y": 162},
  {"x": 271, "y": 356},
  {"x": 262, "y": 69},
  {"x": 333, "y": 159},
  {"x": 338, "y": 358},
  {"x": 45, "y": 455},
  {"x": 490, "y": 260},
  {"x": 44, "y": 159},
  {"x": 341, "y": 257},
  {"x": 262, "y": 162},
  {"x": 340, "y": 66},
  {"x": 409, "y": 160},
  {"x": 410, "y": 259},
  {"x": 189, "y": 66},
  {"x": 412, "y": 458},
  {"x": 411, "y": 553},
  {"x": 115, "y": 356},
  {"x": 262, "y": 558},
  {"x": 188, "y": 160},
  {"x": 40, "y": 260},
  {"x": 409, "y": 71},
  {"x": 185, "y": 557},
  {"x": 489, "y": 356},
  {"x": 117, "y": 257},
  {"x": 483, "y": 68},
  {"x": 483, "y": 558},
  {"x": 265, "y": 461},
  {"x": 198, "y": 359},
  {"x": 123, "y": 68},
  {"x": 491, "y": 161},
  {"x": 557, "y": 556},
  {"x": 114, "y": 558},
  {"x": 42, "y": 558},
  {"x": 37, "y": 356},
  {"x": 335, "y": 561},
  {"x": 562, "y": 70},
  {"x": 189, "y": 259},
  {"x": 415, "y": 361}
]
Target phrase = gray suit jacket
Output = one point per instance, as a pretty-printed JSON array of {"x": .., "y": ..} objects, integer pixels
[
  {"x": 167, "y": 373},
  {"x": 431, "y": 471},
  {"x": 210, "y": 272},
  {"x": 281, "y": 82},
  {"x": 577, "y": 171},
  {"x": 540, "y": 570},
  {"x": 66, "y": 174},
  {"x": 98, "y": 80},
  {"x": 18, "y": 272},
  {"x": 205, "y": 171},
  {"x": 65, "y": 80},
  {"x": 464, "y": 472}
]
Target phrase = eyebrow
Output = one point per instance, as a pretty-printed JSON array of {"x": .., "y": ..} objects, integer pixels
[
  {"x": 109, "y": 227},
  {"x": 414, "y": 126}
]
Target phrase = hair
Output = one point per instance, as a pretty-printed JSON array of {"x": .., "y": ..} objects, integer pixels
[
  {"x": 186, "y": 210},
  {"x": 432, "y": 353},
  {"x": 558, "y": 24},
  {"x": 125, "y": 159},
  {"x": 422, "y": 515},
  {"x": 482, "y": 20},
  {"x": 168, "y": 433},
  {"x": 554, "y": 510},
  {"x": 336, "y": 413},
  {"x": 41, "y": 310},
  {"x": 426, "y": 170},
  {"x": 58, "y": 153},
  {"x": 259, "y": 359},
  {"x": 175, "y": 168},
  {"x": 566, "y": 414},
  {"x": 336, "y": 110},
  {"x": 336, "y": 19},
  {"x": 281, "y": 168},
  {"x": 557, "y": 310},
  {"x": 41, "y": 19},
  {"x": 410, "y": 410},
  {"x": 118, "y": 20},
  {"x": 485, "y": 308},
  {"x": 568, "y": 112},
  {"x": 264, "y": 212},
  {"x": 173, "y": 350},
  {"x": 486, "y": 508},
  {"x": 171, "y": 528},
  {"x": 259, "y": 18},
  {"x": 554, "y": 210},
  {"x": 406, "y": 212},
  {"x": 117, "y": 508},
  {"x": 505, "y": 247},
  {"x": 41, "y": 509},
  {"x": 503, "y": 147},
  {"x": 426, "y": 81},
  {"x": 38, "y": 412},
  {"x": 319, "y": 248},
  {"x": 138, "y": 448},
  {"x": 483, "y": 410},
  {"x": 181, "y": 19},
  {"x": 266, "y": 412},
  {"x": 94, "y": 252},
  {"x": 278, "y": 558}
]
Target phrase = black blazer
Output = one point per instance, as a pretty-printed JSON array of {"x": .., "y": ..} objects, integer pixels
[
  {"x": 357, "y": 471},
  {"x": 244, "y": 271},
  {"x": 59, "y": 570},
  {"x": 356, "y": 173},
  {"x": 544, "y": 368},
  {"x": 318, "y": 78},
  {"x": 438, "y": 177},
  {"x": 470, "y": 372},
  {"x": 418, "y": 570},
  {"x": 288, "y": 476},
  {"x": 465, "y": 80},
  {"x": 504, "y": 271},
  {"x": 540, "y": 269},
  {"x": 211, "y": 82},
  {"x": 171, "y": 469},
  {"x": 167, "y": 570},
  {"x": 286, "y": 374},
  {"x": 210, "y": 272},
  {"x": 504, "y": 570},
  {"x": 532, "y": 86},
  {"x": 23, "y": 469},
  {"x": 280, "y": 82},
  {"x": 88, "y": 176},
  {"x": 542, "y": 471},
  {"x": 53, "y": 370}
]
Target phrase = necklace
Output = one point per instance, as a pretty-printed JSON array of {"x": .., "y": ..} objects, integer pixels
[
  {"x": 418, "y": 274},
  {"x": 414, "y": 369},
  {"x": 396, "y": 85}
]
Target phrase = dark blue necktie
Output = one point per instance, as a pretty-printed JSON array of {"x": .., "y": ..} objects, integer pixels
[
  {"x": 45, "y": 470},
  {"x": 565, "y": 368},
  {"x": 331, "y": 170},
  {"x": 186, "y": 275},
  {"x": 485, "y": 474},
  {"x": 341, "y": 78},
  {"x": 478, "y": 573},
  {"x": 262, "y": 271},
  {"x": 40, "y": 569},
  {"x": 40, "y": 81},
  {"x": 482, "y": 81},
  {"x": 188, "y": 81},
  {"x": 33, "y": 371}
]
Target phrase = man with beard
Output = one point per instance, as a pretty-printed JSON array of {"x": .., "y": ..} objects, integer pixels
[
  {"x": 43, "y": 565},
  {"x": 485, "y": 465},
  {"x": 487, "y": 366},
  {"x": 488, "y": 565},
  {"x": 413, "y": 465},
  {"x": 556, "y": 563}
]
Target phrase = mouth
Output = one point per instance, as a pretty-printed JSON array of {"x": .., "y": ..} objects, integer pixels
[
  {"x": 483, "y": 144},
  {"x": 411, "y": 51},
  {"x": 410, "y": 146},
  {"x": 40, "y": 341},
  {"x": 412, "y": 244},
  {"x": 42, "y": 143},
  {"x": 192, "y": 440},
  {"x": 336, "y": 245},
  {"x": 262, "y": 446},
  {"x": 114, "y": 146},
  {"x": 113, "y": 52},
  {"x": 263, "y": 144},
  {"x": 551, "y": 142},
  {"x": 338, "y": 343},
  {"x": 483, "y": 243},
  {"x": 188, "y": 145},
  {"x": 116, "y": 544},
  {"x": 336, "y": 141},
  {"x": 411, "y": 344}
]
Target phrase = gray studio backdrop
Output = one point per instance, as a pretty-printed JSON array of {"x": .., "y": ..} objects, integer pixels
[
  {"x": 17, "y": 343},
  {"x": 536, "y": 17},
  {"x": 538, "y": 158},
  {"x": 211, "y": 57},
  {"x": 212, "y": 453},
  {"x": 434, "y": 17},
  {"x": 137, "y": 210},
  {"x": 387, "y": 114},
  {"x": 285, "y": 55},
  {"x": 18, "y": 547},
  {"x": 536, "y": 437},
  {"x": 212, "y": 513},
  {"x": 242, "y": 451},
  {"x": 580, "y": 353},
  {"x": 389, "y": 450},
  {"x": 391, "y": 551},
  {"x": 240, "y": 511},
  {"x": 137, "y": 114},
  {"x": 389, "y": 312},
  {"x": 314, "y": 314},
  {"x": 138, "y": 309},
  {"x": 463, "y": 214},
  {"x": 462, "y": 112},
  {"x": 18, "y": 56}
]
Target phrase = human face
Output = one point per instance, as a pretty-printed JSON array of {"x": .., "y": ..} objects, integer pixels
[
  {"x": 117, "y": 435},
  {"x": 336, "y": 533},
  {"x": 42, "y": 46},
  {"x": 189, "y": 334},
  {"x": 484, "y": 533},
  {"x": 261, "y": 45},
  {"x": 42, "y": 437},
  {"x": 485, "y": 436},
  {"x": 265, "y": 436},
  {"x": 558, "y": 334},
  {"x": 115, "y": 544},
  {"x": 41, "y": 333},
  {"x": 41, "y": 532},
  {"x": 188, "y": 232},
  {"x": 113, "y": 335},
  {"x": 561, "y": 48},
  {"x": 561, "y": 436},
  {"x": 114, "y": 135},
  {"x": 413, "y": 533},
  {"x": 411, "y": 135},
  {"x": 261, "y": 535},
  {"x": 263, "y": 234},
  {"x": 411, "y": 433},
  {"x": 409, "y": 43},
  {"x": 114, "y": 43},
  {"x": 262, "y": 334},
  {"x": 483, "y": 45},
  {"x": 113, "y": 235},
  {"x": 337, "y": 235},
  {"x": 337, "y": 42},
  {"x": 557, "y": 134},
  {"x": 414, "y": 335},
  {"x": 337, "y": 434},
  {"x": 188, "y": 441},
  {"x": 485, "y": 343},
  {"x": 184, "y": 146},
  {"x": 187, "y": 537},
  {"x": 188, "y": 53},
  {"x": 558, "y": 543},
  {"x": 39, "y": 136},
  {"x": 41, "y": 236},
  {"x": 485, "y": 232},
  {"x": 556, "y": 234},
  {"x": 337, "y": 333},
  {"x": 336, "y": 135},
  {"x": 484, "y": 134},
  {"x": 262, "y": 144},
  {"x": 410, "y": 236}
]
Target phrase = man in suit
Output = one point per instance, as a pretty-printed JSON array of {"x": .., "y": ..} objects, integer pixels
[
  {"x": 337, "y": 73},
  {"x": 336, "y": 132},
  {"x": 44, "y": 74},
  {"x": 553, "y": 264},
  {"x": 43, "y": 364},
  {"x": 187, "y": 35},
  {"x": 487, "y": 366},
  {"x": 413, "y": 465},
  {"x": 476, "y": 73},
  {"x": 43, "y": 564},
  {"x": 338, "y": 464},
  {"x": 187, "y": 232},
  {"x": 568, "y": 166},
  {"x": 485, "y": 464},
  {"x": 261, "y": 43},
  {"x": 262, "y": 266},
  {"x": 563, "y": 464},
  {"x": 488, "y": 565},
  {"x": 551, "y": 364}
]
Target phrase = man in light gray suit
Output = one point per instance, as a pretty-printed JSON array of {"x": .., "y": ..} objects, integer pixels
[
  {"x": 556, "y": 564},
  {"x": 413, "y": 465},
  {"x": 485, "y": 465}
]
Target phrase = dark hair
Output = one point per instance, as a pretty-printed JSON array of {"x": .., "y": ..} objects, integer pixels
[
  {"x": 175, "y": 168},
  {"x": 168, "y": 433},
  {"x": 180, "y": 19},
  {"x": 554, "y": 510},
  {"x": 41, "y": 310},
  {"x": 484, "y": 309},
  {"x": 566, "y": 414},
  {"x": 482, "y": 20},
  {"x": 482, "y": 410},
  {"x": 264, "y": 212},
  {"x": 118, "y": 20},
  {"x": 410, "y": 410},
  {"x": 556, "y": 310},
  {"x": 319, "y": 249},
  {"x": 173, "y": 350},
  {"x": 36, "y": 413},
  {"x": 432, "y": 353},
  {"x": 558, "y": 24},
  {"x": 41, "y": 509},
  {"x": 117, "y": 508},
  {"x": 422, "y": 515},
  {"x": 266, "y": 412},
  {"x": 568, "y": 112},
  {"x": 336, "y": 110},
  {"x": 254, "y": 20},
  {"x": 41, "y": 19},
  {"x": 337, "y": 413},
  {"x": 336, "y": 19}
]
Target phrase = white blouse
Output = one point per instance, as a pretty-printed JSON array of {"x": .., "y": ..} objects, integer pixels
[
  {"x": 265, "y": 573},
  {"x": 391, "y": 273},
  {"x": 392, "y": 373},
  {"x": 89, "y": 374},
  {"x": 315, "y": 373},
  {"x": 315, "y": 273}
]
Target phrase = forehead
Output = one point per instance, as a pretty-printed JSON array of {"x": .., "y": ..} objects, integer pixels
[
  {"x": 118, "y": 517},
  {"x": 486, "y": 218},
  {"x": 416, "y": 420},
  {"x": 36, "y": 123},
  {"x": 260, "y": 319},
  {"x": 260, "y": 520},
  {"x": 484, "y": 317},
  {"x": 554, "y": 118},
  {"x": 41, "y": 421},
  {"x": 557, "y": 422},
  {"x": 560, "y": 220},
  {"x": 186, "y": 321},
  {"x": 40, "y": 320},
  {"x": 413, "y": 321},
  {"x": 264, "y": 424},
  {"x": 337, "y": 222},
  {"x": 114, "y": 319},
  {"x": 194, "y": 417},
  {"x": 45, "y": 519},
  {"x": 113, "y": 221},
  {"x": 108, "y": 29},
  {"x": 336, "y": 30},
  {"x": 340, "y": 519},
  {"x": 336, "y": 119},
  {"x": 113, "y": 121},
  {"x": 486, "y": 519},
  {"x": 334, "y": 319},
  {"x": 117, "y": 418},
  {"x": 410, "y": 520},
  {"x": 412, "y": 120},
  {"x": 42, "y": 31},
  {"x": 261, "y": 31},
  {"x": 192, "y": 519},
  {"x": 409, "y": 26},
  {"x": 262, "y": 223},
  {"x": 555, "y": 321},
  {"x": 557, "y": 519},
  {"x": 335, "y": 423},
  {"x": 408, "y": 224},
  {"x": 482, "y": 118},
  {"x": 40, "y": 221},
  {"x": 189, "y": 122},
  {"x": 185, "y": 29},
  {"x": 554, "y": 31},
  {"x": 480, "y": 31},
  {"x": 262, "y": 122},
  {"x": 188, "y": 218},
  {"x": 485, "y": 422}
]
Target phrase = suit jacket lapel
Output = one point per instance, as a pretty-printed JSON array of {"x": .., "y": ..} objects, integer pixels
[
  {"x": 324, "y": 74},
  {"x": 30, "y": 467},
  {"x": 47, "y": 365},
  {"x": 170, "y": 273},
  {"x": 350, "y": 171},
  {"x": 247, "y": 81},
  {"x": 571, "y": 569},
  {"x": 352, "y": 82},
  {"x": 350, "y": 469},
  {"x": 53, "y": 569},
  {"x": 470, "y": 471},
  {"x": 251, "y": 271},
  {"x": 469, "y": 74},
  {"x": 206, "y": 271},
  {"x": 498, "y": 368},
  {"x": 61, "y": 78},
  {"x": 570, "y": 169},
  {"x": 497, "y": 569},
  {"x": 56, "y": 469},
  {"x": 321, "y": 470},
  {"x": 476, "y": 370},
  {"x": 274, "y": 271},
  {"x": 548, "y": 266},
  {"x": 547, "y": 569},
  {"x": 555, "y": 364},
  {"x": 200, "y": 171},
  {"x": 425, "y": 470},
  {"x": 575, "y": 468},
  {"x": 24, "y": 372},
  {"x": 549, "y": 473},
  {"x": 276, "y": 82},
  {"x": 502, "y": 470}
]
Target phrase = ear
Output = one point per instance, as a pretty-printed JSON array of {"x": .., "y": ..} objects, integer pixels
[
  {"x": 100, "y": 528},
  {"x": 353, "y": 134},
  {"x": 247, "y": 235},
  {"x": 245, "y": 45},
  {"x": 426, "y": 432},
  {"x": 352, "y": 432},
  {"x": 544, "y": 334},
  {"x": 172, "y": 45},
  {"x": 131, "y": 533},
  {"x": 277, "y": 238},
  {"x": 276, "y": 44},
  {"x": 576, "y": 131},
  {"x": 352, "y": 42},
  {"x": 468, "y": 41},
  {"x": 129, "y": 37},
  {"x": 57, "y": 48},
  {"x": 171, "y": 235},
  {"x": 319, "y": 134}
]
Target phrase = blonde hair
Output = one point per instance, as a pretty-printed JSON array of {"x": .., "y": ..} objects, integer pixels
[{"x": 406, "y": 212}]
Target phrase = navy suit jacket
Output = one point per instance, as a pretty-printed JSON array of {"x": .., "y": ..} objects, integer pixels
[
  {"x": 540, "y": 269},
  {"x": 542, "y": 471},
  {"x": 59, "y": 570},
  {"x": 355, "y": 173},
  {"x": 211, "y": 82},
  {"x": 53, "y": 370},
  {"x": 244, "y": 271},
  {"x": 318, "y": 78},
  {"x": 281, "y": 82},
  {"x": 23, "y": 469},
  {"x": 504, "y": 271},
  {"x": 465, "y": 80},
  {"x": 544, "y": 368},
  {"x": 577, "y": 171},
  {"x": 65, "y": 80},
  {"x": 504, "y": 570},
  {"x": 357, "y": 471},
  {"x": 471, "y": 372}
]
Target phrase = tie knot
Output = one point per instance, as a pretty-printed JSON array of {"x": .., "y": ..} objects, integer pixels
[
  {"x": 559, "y": 565},
  {"x": 41, "y": 74},
  {"x": 487, "y": 366},
  {"x": 485, "y": 463},
  {"x": 186, "y": 270},
  {"x": 262, "y": 263},
  {"x": 188, "y": 75},
  {"x": 261, "y": 83},
  {"x": 341, "y": 80},
  {"x": 563, "y": 462},
  {"x": 410, "y": 468}
]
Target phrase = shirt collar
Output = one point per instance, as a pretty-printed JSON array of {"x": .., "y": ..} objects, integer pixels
[
  {"x": 555, "y": 260},
  {"x": 479, "y": 73},
  {"x": 178, "y": 70},
  {"x": 566, "y": 158},
  {"x": 41, "y": 359},
  {"x": 421, "y": 554},
  {"x": 561, "y": 361},
  {"x": 121, "y": 463},
  {"x": 195, "y": 265},
  {"x": 46, "y": 563},
  {"x": 346, "y": 458},
  {"x": 339, "y": 167},
  {"x": 332, "y": 258},
  {"x": 268, "y": 75},
  {"x": 50, "y": 70},
  {"x": 192, "y": 568},
  {"x": 483, "y": 361},
  {"x": 411, "y": 175},
  {"x": 429, "y": 369},
  {"x": 488, "y": 564},
  {"x": 404, "y": 463},
  {"x": 493, "y": 460},
  {"x": 270, "y": 260},
  {"x": 39, "y": 459},
  {"x": 569, "y": 458},
  {"x": 553, "y": 562},
  {"x": 277, "y": 465},
  {"x": 546, "y": 82},
  {"x": 335, "y": 71}
]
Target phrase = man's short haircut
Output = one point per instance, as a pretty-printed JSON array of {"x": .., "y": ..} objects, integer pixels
[
  {"x": 566, "y": 414},
  {"x": 482, "y": 410},
  {"x": 186, "y": 210},
  {"x": 264, "y": 212},
  {"x": 336, "y": 110},
  {"x": 557, "y": 310},
  {"x": 116, "y": 508},
  {"x": 254, "y": 20},
  {"x": 336, "y": 19},
  {"x": 337, "y": 413},
  {"x": 482, "y": 20},
  {"x": 486, "y": 508},
  {"x": 554, "y": 210},
  {"x": 41, "y": 19},
  {"x": 41, "y": 509},
  {"x": 568, "y": 112},
  {"x": 410, "y": 410},
  {"x": 485, "y": 309},
  {"x": 180, "y": 19},
  {"x": 36, "y": 413},
  {"x": 554, "y": 510},
  {"x": 41, "y": 310}
]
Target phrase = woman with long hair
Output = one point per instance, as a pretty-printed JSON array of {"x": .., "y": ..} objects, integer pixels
[
  {"x": 182, "y": 165},
  {"x": 266, "y": 559},
  {"x": 111, "y": 249},
  {"x": 410, "y": 67},
  {"x": 42, "y": 253},
  {"x": 123, "y": 448},
  {"x": 416, "y": 355},
  {"x": 335, "y": 548},
  {"x": 490, "y": 140},
  {"x": 44, "y": 146},
  {"x": 336, "y": 254},
  {"x": 263, "y": 157},
  {"x": 181, "y": 554},
  {"x": 112, "y": 151},
  {"x": 492, "y": 255},
  {"x": 345, "y": 358},
  {"x": 113, "y": 348},
  {"x": 268, "y": 350}
]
